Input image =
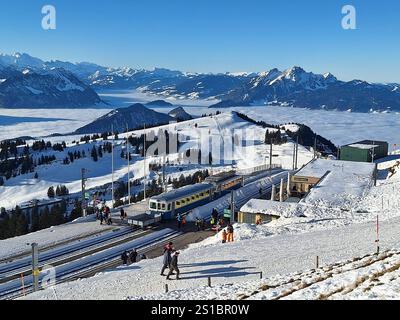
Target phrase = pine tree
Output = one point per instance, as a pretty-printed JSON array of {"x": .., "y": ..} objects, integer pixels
[
  {"x": 21, "y": 224},
  {"x": 50, "y": 192},
  {"x": 44, "y": 218},
  {"x": 35, "y": 219},
  {"x": 93, "y": 154}
]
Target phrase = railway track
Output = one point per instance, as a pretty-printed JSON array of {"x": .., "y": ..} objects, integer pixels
[
  {"x": 59, "y": 260},
  {"x": 89, "y": 264},
  {"x": 7, "y": 268}
]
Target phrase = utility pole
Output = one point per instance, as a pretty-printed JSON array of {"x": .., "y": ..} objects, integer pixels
[
  {"x": 35, "y": 267},
  {"x": 273, "y": 193},
  {"x": 373, "y": 151},
  {"x": 294, "y": 155},
  {"x": 163, "y": 175},
  {"x": 83, "y": 196},
  {"x": 112, "y": 167},
  {"x": 288, "y": 185},
  {"x": 315, "y": 146},
  {"x": 144, "y": 162},
  {"x": 297, "y": 151},
  {"x": 281, "y": 191},
  {"x": 232, "y": 206},
  {"x": 128, "y": 156},
  {"x": 270, "y": 159}
]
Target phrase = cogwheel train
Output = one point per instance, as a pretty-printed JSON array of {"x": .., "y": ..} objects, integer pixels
[{"x": 185, "y": 199}]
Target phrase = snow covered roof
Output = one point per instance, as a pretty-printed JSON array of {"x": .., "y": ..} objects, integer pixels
[
  {"x": 319, "y": 167},
  {"x": 268, "y": 207},
  {"x": 363, "y": 146},
  {"x": 345, "y": 181}
]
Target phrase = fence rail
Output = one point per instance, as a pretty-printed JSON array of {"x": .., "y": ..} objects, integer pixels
[{"x": 263, "y": 167}]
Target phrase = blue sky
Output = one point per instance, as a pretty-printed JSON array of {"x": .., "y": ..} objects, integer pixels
[{"x": 212, "y": 36}]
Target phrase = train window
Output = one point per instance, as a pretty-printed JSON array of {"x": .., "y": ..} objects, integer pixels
[
  {"x": 158, "y": 206},
  {"x": 163, "y": 206},
  {"x": 197, "y": 196},
  {"x": 178, "y": 203},
  {"x": 193, "y": 197},
  {"x": 153, "y": 205},
  {"x": 169, "y": 207},
  {"x": 188, "y": 199},
  {"x": 202, "y": 194},
  {"x": 183, "y": 201}
]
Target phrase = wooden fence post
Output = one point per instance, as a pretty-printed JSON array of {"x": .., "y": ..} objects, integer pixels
[
  {"x": 261, "y": 275},
  {"x": 317, "y": 262},
  {"x": 209, "y": 281},
  {"x": 166, "y": 288}
]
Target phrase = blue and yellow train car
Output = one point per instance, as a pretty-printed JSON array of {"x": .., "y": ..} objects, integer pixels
[{"x": 181, "y": 200}]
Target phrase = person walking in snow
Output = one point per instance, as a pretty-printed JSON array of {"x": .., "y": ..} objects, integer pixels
[
  {"x": 174, "y": 266},
  {"x": 124, "y": 257},
  {"x": 224, "y": 235},
  {"x": 133, "y": 256},
  {"x": 230, "y": 233},
  {"x": 101, "y": 217},
  {"x": 122, "y": 214},
  {"x": 166, "y": 260},
  {"x": 168, "y": 246}
]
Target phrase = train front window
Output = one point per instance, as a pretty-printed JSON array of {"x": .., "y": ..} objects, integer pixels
[
  {"x": 163, "y": 206},
  {"x": 153, "y": 205}
]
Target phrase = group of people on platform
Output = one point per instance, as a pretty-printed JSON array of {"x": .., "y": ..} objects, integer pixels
[
  {"x": 104, "y": 215},
  {"x": 131, "y": 256}
]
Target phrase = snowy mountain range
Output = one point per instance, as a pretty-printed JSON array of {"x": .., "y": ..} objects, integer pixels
[
  {"x": 26, "y": 83},
  {"x": 292, "y": 87}
]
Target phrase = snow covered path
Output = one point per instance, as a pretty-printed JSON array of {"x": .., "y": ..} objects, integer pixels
[{"x": 233, "y": 263}]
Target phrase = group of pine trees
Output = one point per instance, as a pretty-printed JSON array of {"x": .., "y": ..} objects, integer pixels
[
  {"x": 210, "y": 114},
  {"x": 60, "y": 190},
  {"x": 9, "y": 148},
  {"x": 274, "y": 137},
  {"x": 16, "y": 222},
  {"x": 97, "y": 152},
  {"x": 72, "y": 156},
  {"x": 14, "y": 163}
]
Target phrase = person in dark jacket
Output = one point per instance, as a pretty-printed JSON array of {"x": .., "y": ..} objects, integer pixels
[
  {"x": 122, "y": 214},
  {"x": 166, "y": 260},
  {"x": 174, "y": 266},
  {"x": 124, "y": 257},
  {"x": 133, "y": 256},
  {"x": 198, "y": 224},
  {"x": 179, "y": 219}
]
